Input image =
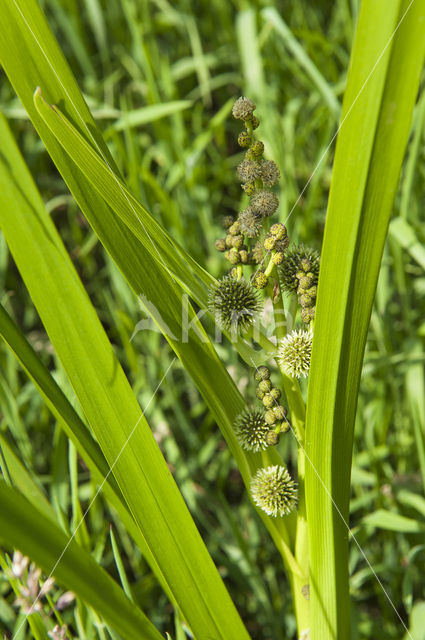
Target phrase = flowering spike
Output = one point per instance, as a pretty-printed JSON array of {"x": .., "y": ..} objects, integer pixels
[
  {"x": 234, "y": 303},
  {"x": 294, "y": 353},
  {"x": 274, "y": 491}
]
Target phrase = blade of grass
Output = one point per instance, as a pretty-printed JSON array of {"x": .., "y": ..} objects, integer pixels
[
  {"x": 378, "y": 103},
  {"x": 109, "y": 403}
]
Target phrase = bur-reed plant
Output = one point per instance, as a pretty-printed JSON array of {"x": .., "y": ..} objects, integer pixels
[{"x": 304, "y": 507}]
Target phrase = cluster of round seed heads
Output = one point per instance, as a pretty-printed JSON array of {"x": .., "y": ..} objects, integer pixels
[
  {"x": 275, "y": 416},
  {"x": 299, "y": 273},
  {"x": 294, "y": 353},
  {"x": 251, "y": 430},
  {"x": 233, "y": 247},
  {"x": 274, "y": 491},
  {"x": 235, "y": 304}
]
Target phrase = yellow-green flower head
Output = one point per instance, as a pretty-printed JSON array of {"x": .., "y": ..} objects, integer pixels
[
  {"x": 274, "y": 491},
  {"x": 243, "y": 108},
  {"x": 244, "y": 139},
  {"x": 291, "y": 267},
  {"x": 270, "y": 173},
  {"x": 251, "y": 430},
  {"x": 264, "y": 202},
  {"x": 250, "y": 222},
  {"x": 235, "y": 304},
  {"x": 294, "y": 353},
  {"x": 248, "y": 171}
]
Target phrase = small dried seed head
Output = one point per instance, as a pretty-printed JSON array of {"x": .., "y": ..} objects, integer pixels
[
  {"x": 257, "y": 149},
  {"x": 228, "y": 221},
  {"x": 265, "y": 385},
  {"x": 257, "y": 252},
  {"x": 244, "y": 256},
  {"x": 291, "y": 266},
  {"x": 254, "y": 122},
  {"x": 268, "y": 401},
  {"x": 272, "y": 438},
  {"x": 275, "y": 393},
  {"x": 274, "y": 491},
  {"x": 269, "y": 417},
  {"x": 294, "y": 353},
  {"x": 244, "y": 139},
  {"x": 234, "y": 303},
  {"x": 260, "y": 280},
  {"x": 220, "y": 244},
  {"x": 269, "y": 243},
  {"x": 235, "y": 229},
  {"x": 262, "y": 373},
  {"x": 280, "y": 412},
  {"x": 237, "y": 241},
  {"x": 249, "y": 188},
  {"x": 279, "y": 230},
  {"x": 250, "y": 222},
  {"x": 251, "y": 430},
  {"x": 270, "y": 173},
  {"x": 248, "y": 171},
  {"x": 243, "y": 109},
  {"x": 308, "y": 314},
  {"x": 264, "y": 202}
]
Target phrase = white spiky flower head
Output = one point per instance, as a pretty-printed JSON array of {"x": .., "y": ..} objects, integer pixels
[
  {"x": 251, "y": 430},
  {"x": 294, "y": 353},
  {"x": 274, "y": 491}
]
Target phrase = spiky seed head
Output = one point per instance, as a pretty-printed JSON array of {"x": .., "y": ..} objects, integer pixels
[
  {"x": 248, "y": 171},
  {"x": 249, "y": 188},
  {"x": 244, "y": 139},
  {"x": 235, "y": 304},
  {"x": 277, "y": 257},
  {"x": 275, "y": 393},
  {"x": 274, "y": 491},
  {"x": 250, "y": 222},
  {"x": 260, "y": 280},
  {"x": 270, "y": 417},
  {"x": 265, "y": 385},
  {"x": 291, "y": 266},
  {"x": 220, "y": 244},
  {"x": 270, "y": 173},
  {"x": 262, "y": 373},
  {"x": 269, "y": 243},
  {"x": 264, "y": 202},
  {"x": 254, "y": 121},
  {"x": 268, "y": 401},
  {"x": 294, "y": 353},
  {"x": 280, "y": 412},
  {"x": 235, "y": 228},
  {"x": 243, "y": 108},
  {"x": 257, "y": 150},
  {"x": 228, "y": 221},
  {"x": 251, "y": 430}
]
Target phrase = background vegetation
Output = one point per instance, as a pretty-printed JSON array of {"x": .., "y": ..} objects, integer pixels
[{"x": 130, "y": 59}]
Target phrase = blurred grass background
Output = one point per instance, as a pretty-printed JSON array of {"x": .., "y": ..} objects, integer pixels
[{"x": 160, "y": 78}]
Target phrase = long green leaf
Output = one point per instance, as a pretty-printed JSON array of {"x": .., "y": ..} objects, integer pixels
[
  {"x": 109, "y": 403},
  {"x": 383, "y": 81},
  {"x": 25, "y": 528}
]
